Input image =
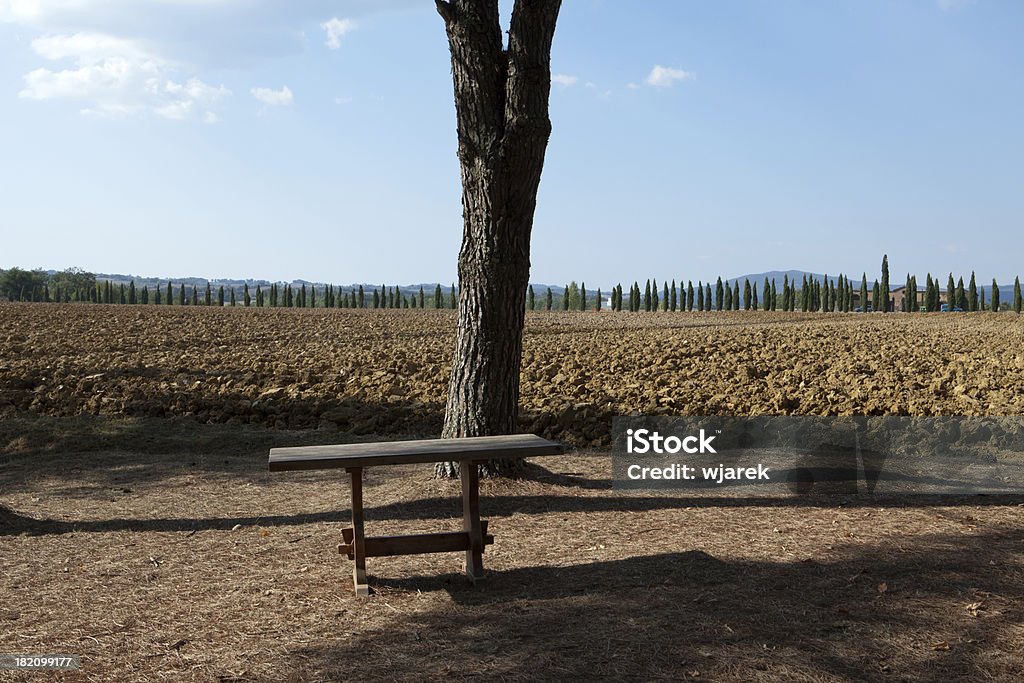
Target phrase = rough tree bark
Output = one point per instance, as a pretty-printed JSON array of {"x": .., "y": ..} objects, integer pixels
[{"x": 501, "y": 104}]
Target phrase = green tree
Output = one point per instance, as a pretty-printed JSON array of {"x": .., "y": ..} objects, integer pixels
[
  {"x": 700, "y": 296},
  {"x": 753, "y": 298},
  {"x": 246, "y": 299},
  {"x": 961, "y": 295},
  {"x": 654, "y": 295},
  {"x": 719, "y": 294},
  {"x": 707, "y": 296},
  {"x": 746, "y": 294},
  {"x": 647, "y": 297},
  {"x": 995, "y": 296},
  {"x": 583, "y": 296},
  {"x": 727, "y": 304},
  {"x": 531, "y": 301},
  {"x": 549, "y": 300},
  {"x": 864, "y": 292},
  {"x": 1016, "y": 295},
  {"x": 673, "y": 297},
  {"x": 597, "y": 306},
  {"x": 157, "y": 292},
  {"x": 689, "y": 295},
  {"x": 664, "y": 296},
  {"x": 884, "y": 287},
  {"x": 972, "y": 294},
  {"x": 453, "y": 297}
]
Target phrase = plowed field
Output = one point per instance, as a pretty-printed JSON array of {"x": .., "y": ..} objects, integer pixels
[{"x": 385, "y": 372}]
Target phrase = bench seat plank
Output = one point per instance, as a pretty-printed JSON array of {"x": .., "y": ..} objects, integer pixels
[{"x": 420, "y": 451}]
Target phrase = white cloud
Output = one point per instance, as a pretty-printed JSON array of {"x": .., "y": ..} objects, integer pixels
[
  {"x": 666, "y": 77},
  {"x": 273, "y": 98},
  {"x": 565, "y": 80},
  {"x": 115, "y": 77},
  {"x": 336, "y": 28},
  {"x": 344, "y": 100}
]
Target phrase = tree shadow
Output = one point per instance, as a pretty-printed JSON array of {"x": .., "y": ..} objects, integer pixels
[{"x": 869, "y": 614}]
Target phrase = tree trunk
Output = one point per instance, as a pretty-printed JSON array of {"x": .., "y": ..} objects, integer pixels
[{"x": 501, "y": 103}]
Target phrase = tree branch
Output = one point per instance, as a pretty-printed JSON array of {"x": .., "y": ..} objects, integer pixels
[{"x": 529, "y": 64}]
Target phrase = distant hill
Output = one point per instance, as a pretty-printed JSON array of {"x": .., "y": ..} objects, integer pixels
[{"x": 779, "y": 275}]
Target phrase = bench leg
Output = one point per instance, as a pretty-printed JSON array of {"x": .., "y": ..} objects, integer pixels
[
  {"x": 358, "y": 533},
  {"x": 470, "y": 476}
]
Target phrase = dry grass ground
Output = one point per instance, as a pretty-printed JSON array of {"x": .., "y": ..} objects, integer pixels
[{"x": 162, "y": 550}]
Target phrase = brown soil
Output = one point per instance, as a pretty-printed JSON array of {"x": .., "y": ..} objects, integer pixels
[
  {"x": 161, "y": 550},
  {"x": 176, "y": 556},
  {"x": 385, "y": 372}
]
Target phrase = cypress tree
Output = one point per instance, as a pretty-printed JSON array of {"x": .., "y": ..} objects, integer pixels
[
  {"x": 753, "y": 298},
  {"x": 654, "y": 295},
  {"x": 805, "y": 296},
  {"x": 674, "y": 297},
  {"x": 995, "y": 296},
  {"x": 453, "y": 302},
  {"x": 785, "y": 292},
  {"x": 825, "y": 303},
  {"x": 376, "y": 298},
  {"x": 181, "y": 295},
  {"x": 774, "y": 296},
  {"x": 664, "y": 296},
  {"x": 746, "y": 294},
  {"x": 583, "y": 296},
  {"x": 157, "y": 295},
  {"x": 700, "y": 296},
  {"x": 728, "y": 299},
  {"x": 766, "y": 295},
  {"x": 530, "y": 300},
  {"x": 232, "y": 296},
  {"x": 647, "y": 297},
  {"x": 208, "y": 299},
  {"x": 170, "y": 293},
  {"x": 597, "y": 306},
  {"x": 981, "y": 305},
  {"x": 565, "y": 298},
  {"x": 864, "y": 292},
  {"x": 1016, "y": 295},
  {"x": 438, "y": 302},
  {"x": 195, "y": 295},
  {"x": 132, "y": 299},
  {"x": 707, "y": 296},
  {"x": 220, "y": 295},
  {"x": 719, "y": 294},
  {"x": 961, "y": 295},
  {"x": 876, "y": 297},
  {"x": 145, "y": 294},
  {"x": 950, "y": 292},
  {"x": 549, "y": 300},
  {"x": 884, "y": 287},
  {"x": 972, "y": 294},
  {"x": 689, "y": 295},
  {"x": 735, "y": 295}
]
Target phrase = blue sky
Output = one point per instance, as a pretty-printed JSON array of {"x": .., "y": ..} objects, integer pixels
[{"x": 316, "y": 140}]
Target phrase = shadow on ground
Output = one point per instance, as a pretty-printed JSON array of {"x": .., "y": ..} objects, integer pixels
[{"x": 679, "y": 615}]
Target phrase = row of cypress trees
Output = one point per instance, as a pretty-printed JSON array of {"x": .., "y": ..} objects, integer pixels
[
  {"x": 839, "y": 294},
  {"x": 278, "y": 296}
]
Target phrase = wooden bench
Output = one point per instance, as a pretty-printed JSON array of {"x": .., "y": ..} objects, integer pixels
[{"x": 469, "y": 452}]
